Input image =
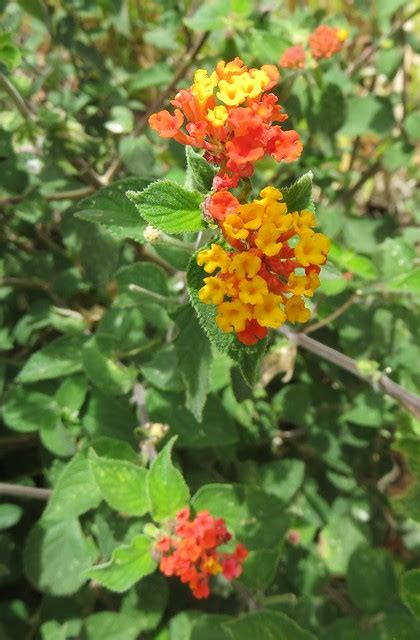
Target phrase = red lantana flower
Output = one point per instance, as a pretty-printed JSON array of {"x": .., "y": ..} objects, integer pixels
[{"x": 191, "y": 553}]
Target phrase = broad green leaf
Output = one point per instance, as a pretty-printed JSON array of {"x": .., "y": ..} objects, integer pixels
[
  {"x": 338, "y": 539},
  {"x": 406, "y": 501},
  {"x": 10, "y": 514},
  {"x": 59, "y": 358},
  {"x": 256, "y": 518},
  {"x": 282, "y": 478},
  {"x": 410, "y": 590},
  {"x": 209, "y": 627},
  {"x": 406, "y": 282},
  {"x": 109, "y": 625},
  {"x": 368, "y": 114},
  {"x": 200, "y": 173},
  {"x": 194, "y": 358},
  {"x": 114, "y": 449},
  {"x": 52, "y": 630},
  {"x": 168, "y": 491},
  {"x": 332, "y": 109},
  {"x": 208, "y": 16},
  {"x": 371, "y": 579},
  {"x": 147, "y": 601},
  {"x": 75, "y": 491},
  {"x": 248, "y": 358},
  {"x": 110, "y": 208},
  {"x": 128, "y": 564},
  {"x": 260, "y": 568},
  {"x": 299, "y": 195},
  {"x": 217, "y": 428},
  {"x": 368, "y": 409},
  {"x": 269, "y": 625},
  {"x": 412, "y": 126},
  {"x": 55, "y": 557},
  {"x": 121, "y": 483},
  {"x": 169, "y": 207},
  {"x": 25, "y": 410},
  {"x": 104, "y": 371},
  {"x": 358, "y": 265}
]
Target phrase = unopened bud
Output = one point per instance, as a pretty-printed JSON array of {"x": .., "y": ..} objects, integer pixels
[{"x": 150, "y": 234}]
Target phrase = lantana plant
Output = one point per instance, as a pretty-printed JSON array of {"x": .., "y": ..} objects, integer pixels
[{"x": 261, "y": 256}]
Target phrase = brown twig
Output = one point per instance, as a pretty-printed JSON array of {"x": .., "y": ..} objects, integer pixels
[
  {"x": 369, "y": 51},
  {"x": 116, "y": 163},
  {"x": 409, "y": 400},
  {"x": 332, "y": 316},
  {"x": 19, "y": 491},
  {"x": 348, "y": 195},
  {"x": 27, "y": 283},
  {"x": 73, "y": 194},
  {"x": 15, "y": 96}
]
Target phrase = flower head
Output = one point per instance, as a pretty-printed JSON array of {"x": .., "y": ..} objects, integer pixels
[
  {"x": 293, "y": 58},
  {"x": 262, "y": 281},
  {"x": 191, "y": 552},
  {"x": 230, "y": 114},
  {"x": 326, "y": 41}
]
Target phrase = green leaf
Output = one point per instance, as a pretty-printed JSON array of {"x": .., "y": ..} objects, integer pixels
[
  {"x": 368, "y": 114},
  {"x": 26, "y": 410},
  {"x": 59, "y": 358},
  {"x": 121, "y": 483},
  {"x": 407, "y": 283},
  {"x": 128, "y": 564},
  {"x": 110, "y": 208},
  {"x": 168, "y": 491},
  {"x": 200, "y": 173},
  {"x": 169, "y": 207},
  {"x": 407, "y": 501},
  {"x": 350, "y": 261},
  {"x": 106, "y": 373},
  {"x": 299, "y": 195},
  {"x": 412, "y": 126},
  {"x": 248, "y": 358},
  {"x": 208, "y": 17},
  {"x": 10, "y": 514},
  {"x": 55, "y": 557},
  {"x": 256, "y": 518},
  {"x": 75, "y": 491},
  {"x": 109, "y": 625},
  {"x": 260, "y": 568},
  {"x": 147, "y": 601},
  {"x": 332, "y": 109},
  {"x": 410, "y": 590},
  {"x": 371, "y": 580},
  {"x": 194, "y": 358},
  {"x": 267, "y": 625},
  {"x": 338, "y": 539},
  {"x": 217, "y": 428}
]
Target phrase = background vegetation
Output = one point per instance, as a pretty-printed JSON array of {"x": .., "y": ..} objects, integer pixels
[{"x": 317, "y": 469}]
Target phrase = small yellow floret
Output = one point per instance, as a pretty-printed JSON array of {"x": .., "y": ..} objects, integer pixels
[
  {"x": 214, "y": 258},
  {"x": 234, "y": 227},
  {"x": 296, "y": 311},
  {"x": 213, "y": 291},
  {"x": 269, "y": 313},
  {"x": 304, "y": 285},
  {"x": 266, "y": 239},
  {"x": 233, "y": 316},
  {"x": 245, "y": 264},
  {"x": 312, "y": 249},
  {"x": 217, "y": 116},
  {"x": 253, "y": 291},
  {"x": 231, "y": 93},
  {"x": 342, "y": 34},
  {"x": 303, "y": 222}
]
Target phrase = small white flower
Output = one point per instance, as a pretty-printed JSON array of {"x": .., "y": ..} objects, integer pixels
[
  {"x": 34, "y": 166},
  {"x": 151, "y": 234},
  {"x": 114, "y": 127}
]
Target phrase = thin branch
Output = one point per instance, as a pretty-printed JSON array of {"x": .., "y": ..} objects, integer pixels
[
  {"x": 15, "y": 96},
  {"x": 348, "y": 195},
  {"x": 334, "y": 315},
  {"x": 27, "y": 283},
  {"x": 369, "y": 51},
  {"x": 116, "y": 163},
  {"x": 19, "y": 491},
  {"x": 151, "y": 294},
  {"x": 73, "y": 194},
  {"x": 409, "y": 400}
]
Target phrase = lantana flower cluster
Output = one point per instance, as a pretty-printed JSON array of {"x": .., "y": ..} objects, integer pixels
[
  {"x": 324, "y": 42},
  {"x": 230, "y": 115},
  {"x": 191, "y": 553},
  {"x": 272, "y": 264}
]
